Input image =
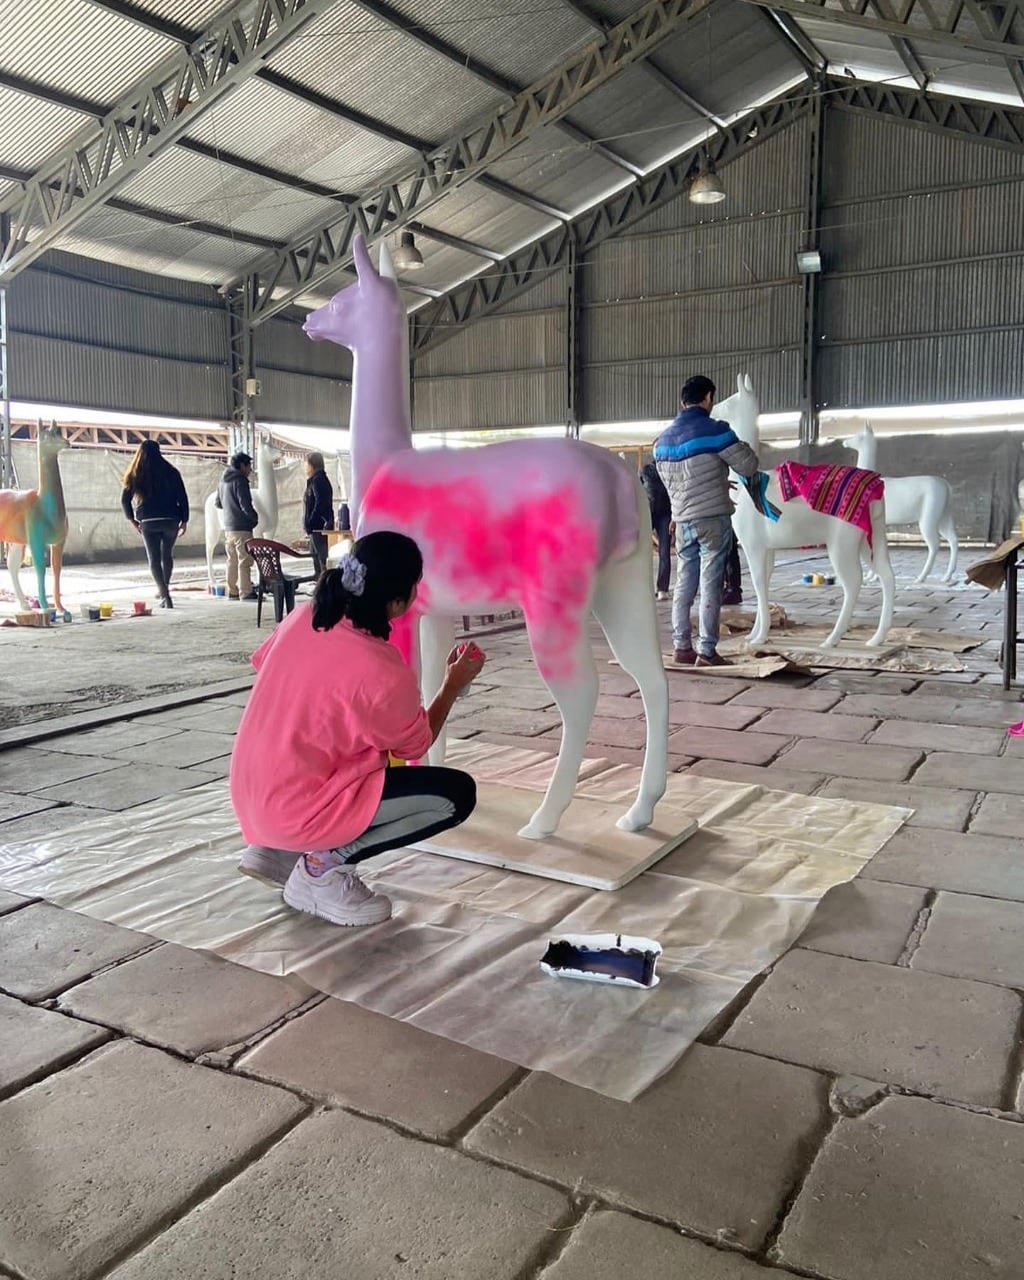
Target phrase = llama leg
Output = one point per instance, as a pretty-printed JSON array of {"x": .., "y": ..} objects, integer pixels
[
  {"x": 15, "y": 556},
  {"x": 622, "y": 605},
  {"x": 437, "y": 635},
  {"x": 883, "y": 566},
  {"x": 759, "y": 561},
  {"x": 37, "y": 546},
  {"x": 576, "y": 696},
  {"x": 57, "y": 561},
  {"x": 867, "y": 572},
  {"x": 929, "y": 526},
  {"x": 948, "y": 530},
  {"x": 844, "y": 552}
]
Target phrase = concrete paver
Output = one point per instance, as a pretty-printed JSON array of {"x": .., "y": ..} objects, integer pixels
[
  {"x": 127, "y": 785},
  {"x": 46, "y": 949},
  {"x": 970, "y": 937},
  {"x": 112, "y": 737},
  {"x": 972, "y": 773},
  {"x": 713, "y": 715},
  {"x": 94, "y": 1157},
  {"x": 911, "y": 1191},
  {"x": 852, "y": 759},
  {"x": 180, "y": 751},
  {"x": 687, "y": 686},
  {"x": 920, "y": 733},
  {"x": 34, "y": 768},
  {"x": 941, "y": 1036},
  {"x": 831, "y": 726},
  {"x": 344, "y": 1196},
  {"x": 353, "y": 1057},
  {"x": 933, "y": 807},
  {"x": 961, "y": 711},
  {"x": 865, "y": 920},
  {"x": 992, "y": 866},
  {"x": 46, "y": 821},
  {"x": 770, "y": 775},
  {"x": 511, "y": 720},
  {"x": 14, "y": 806},
  {"x": 713, "y": 1146},
  {"x": 766, "y": 693},
  {"x": 997, "y": 815},
  {"x": 610, "y": 1246},
  {"x": 12, "y": 901},
  {"x": 747, "y": 747},
  {"x": 36, "y": 1041},
  {"x": 185, "y": 1000}
]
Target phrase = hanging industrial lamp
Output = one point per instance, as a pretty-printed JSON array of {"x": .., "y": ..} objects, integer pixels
[
  {"x": 706, "y": 188},
  {"x": 407, "y": 256}
]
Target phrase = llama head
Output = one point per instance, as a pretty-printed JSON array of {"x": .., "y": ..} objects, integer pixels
[
  {"x": 52, "y": 441},
  {"x": 741, "y": 410},
  {"x": 856, "y": 443},
  {"x": 267, "y": 454},
  {"x": 365, "y": 310}
]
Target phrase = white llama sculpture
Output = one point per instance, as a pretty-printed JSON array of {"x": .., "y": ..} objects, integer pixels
[
  {"x": 556, "y": 527},
  {"x": 800, "y": 526},
  {"x": 264, "y": 499},
  {"x": 926, "y": 501}
]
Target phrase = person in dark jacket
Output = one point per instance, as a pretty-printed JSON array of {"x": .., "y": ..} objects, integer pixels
[
  {"x": 694, "y": 456},
  {"x": 234, "y": 498},
  {"x": 317, "y": 509},
  {"x": 661, "y": 522},
  {"x": 153, "y": 498}
]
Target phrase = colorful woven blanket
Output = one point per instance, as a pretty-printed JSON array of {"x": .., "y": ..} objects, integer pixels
[
  {"x": 757, "y": 486},
  {"x": 844, "y": 492}
]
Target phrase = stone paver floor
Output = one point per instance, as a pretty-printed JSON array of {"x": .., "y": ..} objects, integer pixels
[{"x": 856, "y": 1115}]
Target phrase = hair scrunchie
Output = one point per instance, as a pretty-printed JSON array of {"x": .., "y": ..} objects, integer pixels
[{"x": 353, "y": 574}]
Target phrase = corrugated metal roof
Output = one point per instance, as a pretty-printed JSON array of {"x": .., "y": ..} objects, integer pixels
[
  {"x": 77, "y": 47},
  {"x": 354, "y": 57},
  {"x": 30, "y": 129},
  {"x": 188, "y": 13},
  {"x": 637, "y": 117},
  {"x": 195, "y": 187},
  {"x": 870, "y": 55},
  {"x": 967, "y": 72},
  {"x": 559, "y": 170},
  {"x": 486, "y": 218},
  {"x": 521, "y": 42}
]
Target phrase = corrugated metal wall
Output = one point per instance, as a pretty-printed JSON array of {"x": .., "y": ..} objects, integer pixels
[
  {"x": 97, "y": 336},
  {"x": 505, "y": 370},
  {"x": 301, "y": 382},
  {"x": 923, "y": 252}
]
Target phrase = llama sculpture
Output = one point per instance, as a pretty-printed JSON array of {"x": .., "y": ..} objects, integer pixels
[
  {"x": 557, "y": 527},
  {"x": 37, "y": 519},
  {"x": 926, "y": 501},
  {"x": 264, "y": 499},
  {"x": 800, "y": 526}
]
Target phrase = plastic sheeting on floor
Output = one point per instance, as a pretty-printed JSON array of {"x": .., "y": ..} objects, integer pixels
[{"x": 461, "y": 956}]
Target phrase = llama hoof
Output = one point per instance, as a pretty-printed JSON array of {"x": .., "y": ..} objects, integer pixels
[
  {"x": 636, "y": 819},
  {"x": 757, "y": 637},
  {"x": 875, "y": 642},
  {"x": 830, "y": 643},
  {"x": 535, "y": 830}
]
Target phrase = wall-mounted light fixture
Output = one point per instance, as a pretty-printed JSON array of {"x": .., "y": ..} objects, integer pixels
[
  {"x": 407, "y": 256},
  {"x": 706, "y": 188},
  {"x": 808, "y": 262}
]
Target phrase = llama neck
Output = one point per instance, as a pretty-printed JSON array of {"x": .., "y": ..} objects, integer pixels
[
  {"x": 381, "y": 420},
  {"x": 867, "y": 455},
  {"x": 51, "y": 491}
]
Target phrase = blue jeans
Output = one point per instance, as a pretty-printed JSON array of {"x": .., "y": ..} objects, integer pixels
[{"x": 703, "y": 547}]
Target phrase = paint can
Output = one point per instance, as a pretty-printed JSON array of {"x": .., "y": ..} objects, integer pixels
[
  {"x": 106, "y": 610},
  {"x": 808, "y": 579},
  {"x": 138, "y": 607},
  {"x": 94, "y": 612},
  {"x": 219, "y": 591}
]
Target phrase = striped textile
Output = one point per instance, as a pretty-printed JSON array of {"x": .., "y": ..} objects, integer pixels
[
  {"x": 757, "y": 486},
  {"x": 843, "y": 492}
]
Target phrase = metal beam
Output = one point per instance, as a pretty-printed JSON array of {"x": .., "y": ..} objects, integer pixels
[
  {"x": 800, "y": 47},
  {"x": 488, "y": 292},
  {"x": 157, "y": 111},
  {"x": 812, "y": 218},
  {"x": 980, "y": 121},
  {"x": 399, "y": 21},
  {"x": 317, "y": 255},
  {"x": 910, "y": 60}
]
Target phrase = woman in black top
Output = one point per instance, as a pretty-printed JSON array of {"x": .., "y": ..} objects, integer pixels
[
  {"x": 156, "y": 491},
  {"x": 317, "y": 509}
]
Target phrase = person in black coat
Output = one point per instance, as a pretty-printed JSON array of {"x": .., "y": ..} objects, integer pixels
[
  {"x": 317, "y": 509},
  {"x": 153, "y": 498},
  {"x": 234, "y": 499},
  {"x": 661, "y": 519}
]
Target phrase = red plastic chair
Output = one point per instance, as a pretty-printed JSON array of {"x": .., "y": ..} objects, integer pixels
[{"x": 272, "y": 578}]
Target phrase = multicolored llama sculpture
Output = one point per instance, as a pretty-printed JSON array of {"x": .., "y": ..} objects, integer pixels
[
  {"x": 556, "y": 527},
  {"x": 37, "y": 519}
]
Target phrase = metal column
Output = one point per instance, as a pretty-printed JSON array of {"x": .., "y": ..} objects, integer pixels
[
  {"x": 809, "y": 380},
  {"x": 573, "y": 351},
  {"x": 7, "y": 479},
  {"x": 241, "y": 432}
]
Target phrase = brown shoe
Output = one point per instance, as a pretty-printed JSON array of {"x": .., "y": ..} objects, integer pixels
[
  {"x": 711, "y": 660},
  {"x": 685, "y": 657}
]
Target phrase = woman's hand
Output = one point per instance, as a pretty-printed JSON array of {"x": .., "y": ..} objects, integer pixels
[
  {"x": 136, "y": 526},
  {"x": 463, "y": 665},
  {"x": 182, "y": 528}
]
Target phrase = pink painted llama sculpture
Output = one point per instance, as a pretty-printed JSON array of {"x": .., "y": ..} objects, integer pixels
[{"x": 556, "y": 527}]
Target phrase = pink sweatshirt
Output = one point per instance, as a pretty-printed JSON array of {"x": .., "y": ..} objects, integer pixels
[{"x": 307, "y": 769}]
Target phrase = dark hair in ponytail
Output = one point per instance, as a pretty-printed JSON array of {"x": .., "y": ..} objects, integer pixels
[{"x": 394, "y": 566}]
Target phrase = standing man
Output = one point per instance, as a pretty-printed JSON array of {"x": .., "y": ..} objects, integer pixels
[
  {"x": 317, "y": 509},
  {"x": 234, "y": 498},
  {"x": 661, "y": 520},
  {"x": 693, "y": 457}
]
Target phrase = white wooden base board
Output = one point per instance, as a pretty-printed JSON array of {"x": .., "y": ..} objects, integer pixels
[{"x": 589, "y": 849}]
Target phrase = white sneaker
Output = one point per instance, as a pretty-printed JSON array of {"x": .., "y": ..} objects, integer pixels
[
  {"x": 338, "y": 895},
  {"x": 662, "y": 595},
  {"x": 271, "y": 866}
]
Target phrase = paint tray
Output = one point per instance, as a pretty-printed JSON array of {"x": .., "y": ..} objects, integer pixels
[{"x": 603, "y": 957}]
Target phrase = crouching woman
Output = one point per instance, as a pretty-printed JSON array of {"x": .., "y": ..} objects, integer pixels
[{"x": 332, "y": 698}]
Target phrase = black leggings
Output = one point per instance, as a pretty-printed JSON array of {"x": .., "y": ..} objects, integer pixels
[
  {"x": 159, "y": 537},
  {"x": 417, "y": 803}
]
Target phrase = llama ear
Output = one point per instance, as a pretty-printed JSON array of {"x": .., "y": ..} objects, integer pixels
[
  {"x": 748, "y": 383},
  {"x": 361, "y": 257},
  {"x": 387, "y": 267}
]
